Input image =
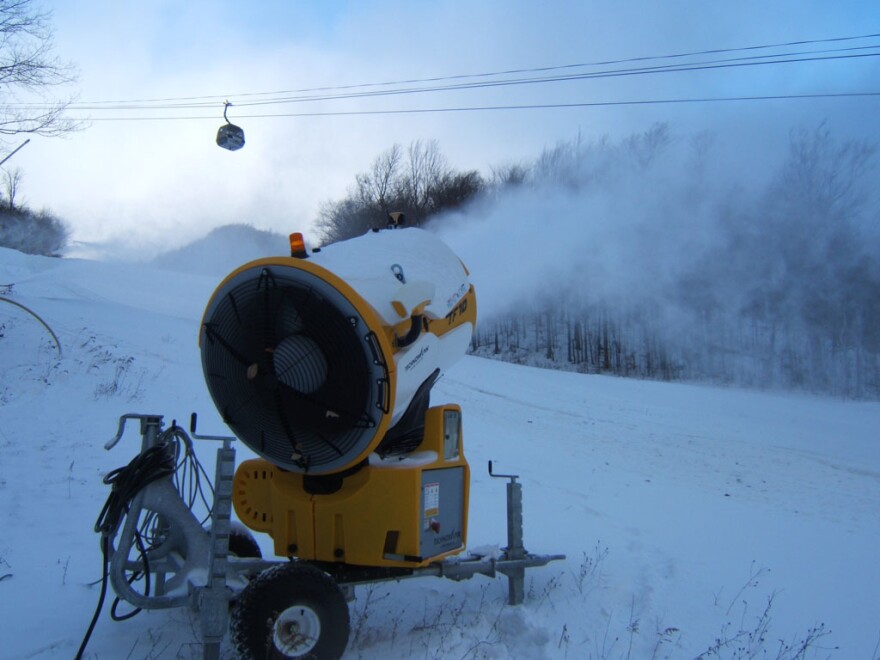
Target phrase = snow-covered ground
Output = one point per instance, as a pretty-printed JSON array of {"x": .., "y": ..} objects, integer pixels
[{"x": 683, "y": 510}]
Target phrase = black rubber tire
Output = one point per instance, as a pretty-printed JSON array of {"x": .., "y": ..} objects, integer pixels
[
  {"x": 243, "y": 544},
  {"x": 282, "y": 589}
]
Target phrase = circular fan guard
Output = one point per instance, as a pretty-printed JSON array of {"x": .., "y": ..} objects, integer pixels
[{"x": 294, "y": 369}]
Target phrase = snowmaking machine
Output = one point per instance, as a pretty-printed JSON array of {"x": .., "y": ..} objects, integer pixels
[
  {"x": 324, "y": 366},
  {"x": 322, "y": 363}
]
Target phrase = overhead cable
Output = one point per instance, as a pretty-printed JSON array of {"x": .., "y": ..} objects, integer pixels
[
  {"x": 527, "y": 106},
  {"x": 277, "y": 96}
]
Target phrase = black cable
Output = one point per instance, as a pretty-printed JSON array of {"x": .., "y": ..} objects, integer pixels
[
  {"x": 145, "y": 468},
  {"x": 148, "y": 466},
  {"x": 613, "y": 73},
  {"x": 105, "y": 542},
  {"x": 134, "y": 578},
  {"x": 485, "y": 79},
  {"x": 490, "y": 74},
  {"x": 706, "y": 65},
  {"x": 527, "y": 106},
  {"x": 189, "y": 472}
]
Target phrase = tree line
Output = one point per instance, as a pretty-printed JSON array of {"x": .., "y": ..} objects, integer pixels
[
  {"x": 33, "y": 232},
  {"x": 417, "y": 181}
]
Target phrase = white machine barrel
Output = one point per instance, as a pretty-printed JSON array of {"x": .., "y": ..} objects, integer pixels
[{"x": 305, "y": 357}]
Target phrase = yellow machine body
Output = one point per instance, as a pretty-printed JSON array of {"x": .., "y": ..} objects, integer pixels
[{"x": 403, "y": 513}]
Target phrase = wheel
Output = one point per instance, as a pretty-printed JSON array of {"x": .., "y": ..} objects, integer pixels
[
  {"x": 243, "y": 544},
  {"x": 293, "y": 610}
]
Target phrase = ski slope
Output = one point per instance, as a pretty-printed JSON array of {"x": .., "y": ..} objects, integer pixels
[{"x": 684, "y": 510}]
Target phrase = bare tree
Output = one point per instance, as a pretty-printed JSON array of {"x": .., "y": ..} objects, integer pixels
[
  {"x": 509, "y": 175},
  {"x": 828, "y": 176},
  {"x": 427, "y": 169},
  {"x": 12, "y": 184},
  {"x": 376, "y": 187},
  {"x": 28, "y": 71},
  {"x": 345, "y": 218},
  {"x": 647, "y": 146},
  {"x": 701, "y": 145},
  {"x": 456, "y": 189}
]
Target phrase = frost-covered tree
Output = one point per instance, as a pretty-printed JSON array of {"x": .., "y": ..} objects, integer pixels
[
  {"x": 674, "y": 273},
  {"x": 32, "y": 232}
]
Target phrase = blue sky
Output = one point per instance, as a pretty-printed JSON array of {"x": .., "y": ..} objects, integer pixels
[{"x": 165, "y": 182}]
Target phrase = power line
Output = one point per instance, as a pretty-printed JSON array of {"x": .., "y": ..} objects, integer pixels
[
  {"x": 530, "y": 106},
  {"x": 701, "y": 66},
  {"x": 760, "y": 60},
  {"x": 492, "y": 74}
]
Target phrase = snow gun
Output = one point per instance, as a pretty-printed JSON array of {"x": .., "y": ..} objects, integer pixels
[{"x": 322, "y": 363}]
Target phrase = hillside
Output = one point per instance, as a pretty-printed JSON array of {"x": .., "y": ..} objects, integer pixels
[{"x": 692, "y": 517}]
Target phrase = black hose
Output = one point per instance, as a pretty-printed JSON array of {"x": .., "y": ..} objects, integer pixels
[
  {"x": 417, "y": 322},
  {"x": 148, "y": 466},
  {"x": 105, "y": 544},
  {"x": 145, "y": 468},
  {"x": 134, "y": 578}
]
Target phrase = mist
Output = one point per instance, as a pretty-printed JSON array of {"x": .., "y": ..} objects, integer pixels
[
  {"x": 655, "y": 256},
  {"x": 665, "y": 255}
]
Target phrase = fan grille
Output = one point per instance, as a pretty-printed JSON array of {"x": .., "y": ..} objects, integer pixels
[{"x": 289, "y": 363}]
